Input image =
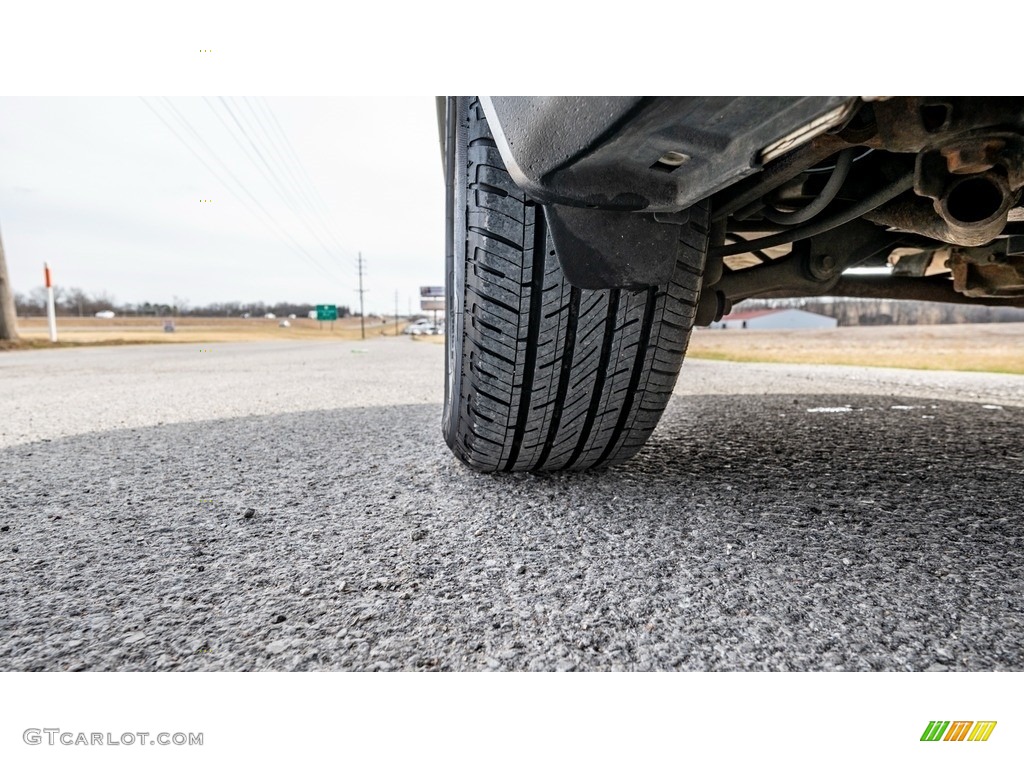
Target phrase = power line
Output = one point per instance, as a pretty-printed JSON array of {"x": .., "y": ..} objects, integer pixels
[
  {"x": 267, "y": 219},
  {"x": 311, "y": 215},
  {"x": 284, "y": 163},
  {"x": 295, "y": 166},
  {"x": 307, "y": 191},
  {"x": 214, "y": 155},
  {"x": 271, "y": 179},
  {"x": 302, "y": 169},
  {"x": 288, "y": 166},
  {"x": 275, "y": 181}
]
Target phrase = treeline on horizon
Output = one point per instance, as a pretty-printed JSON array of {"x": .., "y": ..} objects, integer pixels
[
  {"x": 76, "y": 302},
  {"x": 890, "y": 311}
]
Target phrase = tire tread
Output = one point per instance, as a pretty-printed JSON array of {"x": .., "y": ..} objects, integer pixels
[{"x": 555, "y": 377}]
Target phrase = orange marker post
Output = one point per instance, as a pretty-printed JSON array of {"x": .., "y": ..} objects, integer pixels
[{"x": 51, "y": 310}]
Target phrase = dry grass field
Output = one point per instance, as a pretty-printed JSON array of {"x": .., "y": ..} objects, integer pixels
[
  {"x": 996, "y": 347},
  {"x": 992, "y": 347},
  {"x": 191, "y": 330}
]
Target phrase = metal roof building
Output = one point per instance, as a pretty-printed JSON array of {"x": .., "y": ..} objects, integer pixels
[{"x": 767, "y": 319}]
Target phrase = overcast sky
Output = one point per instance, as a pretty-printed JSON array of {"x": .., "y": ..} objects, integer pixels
[{"x": 106, "y": 193}]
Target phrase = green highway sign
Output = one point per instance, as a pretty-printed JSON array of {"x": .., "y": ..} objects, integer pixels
[{"x": 326, "y": 312}]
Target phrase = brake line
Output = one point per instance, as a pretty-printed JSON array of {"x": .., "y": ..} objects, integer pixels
[
  {"x": 828, "y": 194},
  {"x": 884, "y": 195}
]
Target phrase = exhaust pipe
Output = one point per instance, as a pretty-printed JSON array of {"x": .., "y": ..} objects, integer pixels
[
  {"x": 975, "y": 208},
  {"x": 971, "y": 211}
]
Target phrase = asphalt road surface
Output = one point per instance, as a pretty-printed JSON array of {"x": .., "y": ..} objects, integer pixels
[{"x": 293, "y": 507}]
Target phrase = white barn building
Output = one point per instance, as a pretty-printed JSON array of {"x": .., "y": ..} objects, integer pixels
[{"x": 768, "y": 319}]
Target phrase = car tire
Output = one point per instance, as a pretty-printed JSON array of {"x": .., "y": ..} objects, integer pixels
[{"x": 541, "y": 375}]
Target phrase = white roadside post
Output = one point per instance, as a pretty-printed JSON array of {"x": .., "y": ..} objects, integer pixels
[{"x": 51, "y": 310}]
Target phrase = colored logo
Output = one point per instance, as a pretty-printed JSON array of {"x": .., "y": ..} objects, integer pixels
[{"x": 958, "y": 730}]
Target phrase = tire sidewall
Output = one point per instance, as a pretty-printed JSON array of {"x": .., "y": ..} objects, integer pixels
[{"x": 456, "y": 132}]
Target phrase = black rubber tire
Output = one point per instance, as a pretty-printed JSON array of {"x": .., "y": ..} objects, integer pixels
[{"x": 542, "y": 376}]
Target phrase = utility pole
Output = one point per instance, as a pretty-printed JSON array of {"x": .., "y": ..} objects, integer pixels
[
  {"x": 396, "y": 314},
  {"x": 8, "y": 318},
  {"x": 362, "y": 315}
]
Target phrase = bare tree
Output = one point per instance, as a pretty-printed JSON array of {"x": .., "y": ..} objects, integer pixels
[
  {"x": 23, "y": 305},
  {"x": 76, "y": 301},
  {"x": 37, "y": 297},
  {"x": 8, "y": 319}
]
